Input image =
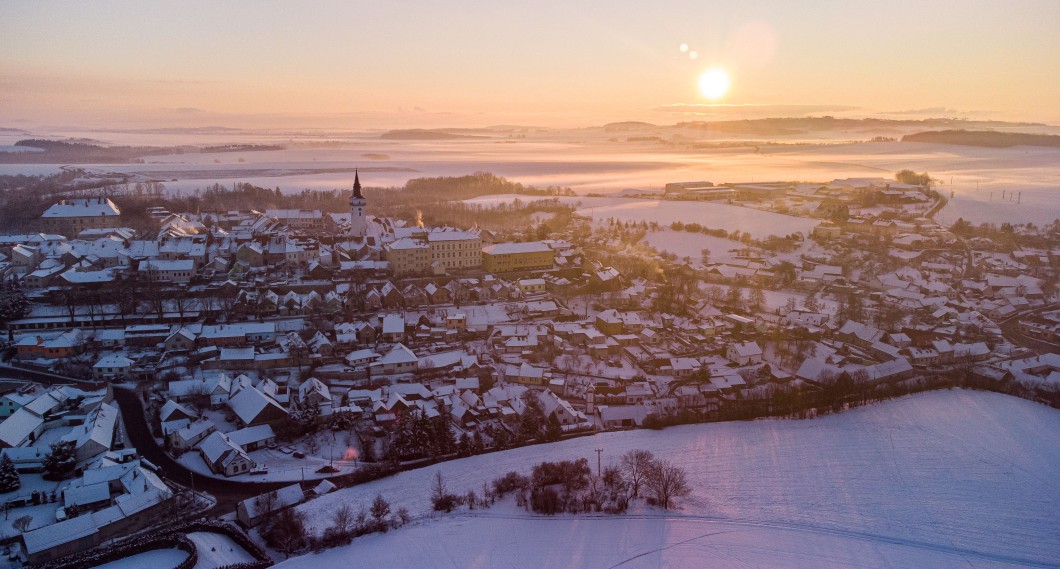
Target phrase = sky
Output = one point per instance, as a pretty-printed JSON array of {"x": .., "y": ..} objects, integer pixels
[{"x": 344, "y": 64}]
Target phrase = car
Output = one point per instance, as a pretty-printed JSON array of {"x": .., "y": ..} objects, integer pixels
[
  {"x": 299, "y": 454},
  {"x": 259, "y": 470},
  {"x": 286, "y": 450}
]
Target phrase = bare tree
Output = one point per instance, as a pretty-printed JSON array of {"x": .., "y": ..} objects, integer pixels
[
  {"x": 343, "y": 519},
  {"x": 668, "y": 482},
  {"x": 636, "y": 464},
  {"x": 22, "y": 523}
]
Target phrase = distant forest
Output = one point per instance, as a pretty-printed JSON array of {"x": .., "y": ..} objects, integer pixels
[
  {"x": 984, "y": 138},
  {"x": 78, "y": 152}
]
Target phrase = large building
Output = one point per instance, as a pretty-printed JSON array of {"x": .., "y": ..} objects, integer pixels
[
  {"x": 436, "y": 250},
  {"x": 71, "y": 217},
  {"x": 311, "y": 220},
  {"x": 505, "y": 257},
  {"x": 358, "y": 205}
]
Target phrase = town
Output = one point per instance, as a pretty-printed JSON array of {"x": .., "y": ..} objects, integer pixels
[{"x": 188, "y": 364}]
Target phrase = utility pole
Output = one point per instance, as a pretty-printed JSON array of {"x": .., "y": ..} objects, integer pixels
[{"x": 598, "y": 451}]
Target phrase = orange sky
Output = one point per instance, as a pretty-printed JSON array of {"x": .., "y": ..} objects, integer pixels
[{"x": 464, "y": 63}]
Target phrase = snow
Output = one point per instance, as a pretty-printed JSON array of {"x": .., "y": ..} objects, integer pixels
[
  {"x": 936, "y": 479},
  {"x": 691, "y": 245},
  {"x": 156, "y": 559},
  {"x": 760, "y": 224},
  {"x": 217, "y": 550}
]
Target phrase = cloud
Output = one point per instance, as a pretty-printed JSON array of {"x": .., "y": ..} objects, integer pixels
[{"x": 189, "y": 110}]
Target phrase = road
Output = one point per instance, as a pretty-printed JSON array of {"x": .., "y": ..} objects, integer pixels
[
  {"x": 228, "y": 492},
  {"x": 1010, "y": 330}
]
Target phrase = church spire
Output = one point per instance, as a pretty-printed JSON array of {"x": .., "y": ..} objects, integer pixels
[{"x": 357, "y": 185}]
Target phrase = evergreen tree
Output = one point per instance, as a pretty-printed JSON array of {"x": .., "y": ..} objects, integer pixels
[
  {"x": 554, "y": 431},
  {"x": 9, "y": 481},
  {"x": 464, "y": 447},
  {"x": 13, "y": 302},
  {"x": 60, "y": 461}
]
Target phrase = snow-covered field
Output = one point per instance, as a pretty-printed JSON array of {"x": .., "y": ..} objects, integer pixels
[
  {"x": 691, "y": 245},
  {"x": 588, "y": 163},
  {"x": 758, "y": 223},
  {"x": 156, "y": 559},
  {"x": 944, "y": 479},
  {"x": 217, "y": 550}
]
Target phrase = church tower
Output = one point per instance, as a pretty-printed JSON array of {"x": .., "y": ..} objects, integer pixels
[{"x": 358, "y": 220}]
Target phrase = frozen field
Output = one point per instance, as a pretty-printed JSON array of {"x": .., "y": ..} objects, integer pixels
[
  {"x": 592, "y": 161},
  {"x": 758, "y": 223},
  {"x": 943, "y": 479}
]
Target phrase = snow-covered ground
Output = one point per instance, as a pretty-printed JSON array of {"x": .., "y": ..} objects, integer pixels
[
  {"x": 282, "y": 467},
  {"x": 691, "y": 245},
  {"x": 955, "y": 478},
  {"x": 217, "y": 550},
  {"x": 156, "y": 559}
]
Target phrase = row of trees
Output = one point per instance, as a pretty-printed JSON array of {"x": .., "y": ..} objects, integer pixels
[
  {"x": 570, "y": 486},
  {"x": 286, "y": 530}
]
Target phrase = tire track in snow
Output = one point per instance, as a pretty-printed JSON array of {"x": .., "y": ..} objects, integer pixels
[
  {"x": 664, "y": 548},
  {"x": 797, "y": 527}
]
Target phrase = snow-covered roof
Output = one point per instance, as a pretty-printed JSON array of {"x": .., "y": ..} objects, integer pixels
[
  {"x": 286, "y": 496},
  {"x": 514, "y": 248},
  {"x": 17, "y": 428},
  {"x": 398, "y": 354},
  {"x": 91, "y": 207},
  {"x": 249, "y": 403},
  {"x": 250, "y": 435}
]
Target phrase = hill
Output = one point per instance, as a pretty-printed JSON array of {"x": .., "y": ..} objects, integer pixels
[
  {"x": 986, "y": 138},
  {"x": 943, "y": 479}
]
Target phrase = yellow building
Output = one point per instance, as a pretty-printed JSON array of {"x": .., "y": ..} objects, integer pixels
[
  {"x": 506, "y": 257},
  {"x": 434, "y": 251},
  {"x": 72, "y": 216}
]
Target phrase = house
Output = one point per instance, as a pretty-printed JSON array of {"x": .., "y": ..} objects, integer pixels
[
  {"x": 189, "y": 436},
  {"x": 172, "y": 411},
  {"x": 64, "y": 345},
  {"x": 183, "y": 340},
  {"x": 224, "y": 456},
  {"x": 393, "y": 328},
  {"x": 252, "y": 407},
  {"x": 313, "y": 392},
  {"x": 744, "y": 353},
  {"x": 253, "y": 511},
  {"x": 112, "y": 367},
  {"x": 96, "y": 435},
  {"x": 621, "y": 416},
  {"x": 178, "y": 271},
  {"x": 525, "y": 374},
  {"x": 253, "y": 438},
  {"x": 399, "y": 359}
]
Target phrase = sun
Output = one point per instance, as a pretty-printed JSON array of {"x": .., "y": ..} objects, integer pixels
[{"x": 714, "y": 84}]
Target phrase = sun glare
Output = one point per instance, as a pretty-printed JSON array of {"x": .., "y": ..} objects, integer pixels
[{"x": 714, "y": 84}]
